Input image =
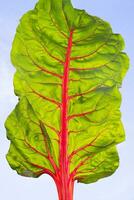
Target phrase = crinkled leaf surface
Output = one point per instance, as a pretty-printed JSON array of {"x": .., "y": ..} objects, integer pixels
[{"x": 69, "y": 68}]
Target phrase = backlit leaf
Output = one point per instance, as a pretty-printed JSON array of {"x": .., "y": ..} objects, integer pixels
[{"x": 69, "y": 68}]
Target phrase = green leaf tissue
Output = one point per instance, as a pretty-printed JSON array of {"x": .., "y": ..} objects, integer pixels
[{"x": 67, "y": 123}]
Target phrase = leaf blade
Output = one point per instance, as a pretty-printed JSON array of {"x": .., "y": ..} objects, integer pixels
[{"x": 68, "y": 75}]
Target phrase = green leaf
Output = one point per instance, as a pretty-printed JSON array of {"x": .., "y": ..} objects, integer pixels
[{"x": 69, "y": 68}]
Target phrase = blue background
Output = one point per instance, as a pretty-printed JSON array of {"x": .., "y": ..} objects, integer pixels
[{"x": 120, "y": 13}]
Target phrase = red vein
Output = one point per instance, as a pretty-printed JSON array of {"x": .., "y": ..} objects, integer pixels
[
  {"x": 49, "y": 72},
  {"x": 80, "y": 114},
  {"x": 46, "y": 98},
  {"x": 55, "y": 24},
  {"x": 47, "y": 171},
  {"x": 52, "y": 128},
  {"x": 39, "y": 173},
  {"x": 64, "y": 165},
  {"x": 33, "y": 122},
  {"x": 74, "y": 172},
  {"x": 92, "y": 170},
  {"x": 74, "y": 80},
  {"x": 86, "y": 38},
  {"x": 87, "y": 145},
  {"x": 34, "y": 149},
  {"x": 35, "y": 165},
  {"x": 83, "y": 93},
  {"x": 72, "y": 131},
  {"x": 42, "y": 68},
  {"x": 95, "y": 68},
  {"x": 88, "y": 55},
  {"x": 82, "y": 69},
  {"x": 48, "y": 151},
  {"x": 113, "y": 142},
  {"x": 52, "y": 56},
  {"x": 94, "y": 122}
]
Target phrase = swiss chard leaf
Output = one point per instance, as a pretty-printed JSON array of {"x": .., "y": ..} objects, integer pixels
[{"x": 69, "y": 68}]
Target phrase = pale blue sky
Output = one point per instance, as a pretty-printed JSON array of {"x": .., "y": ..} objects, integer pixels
[{"x": 120, "y": 13}]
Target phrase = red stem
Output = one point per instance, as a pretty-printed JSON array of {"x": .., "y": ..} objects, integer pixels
[
  {"x": 68, "y": 195},
  {"x": 65, "y": 184}
]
